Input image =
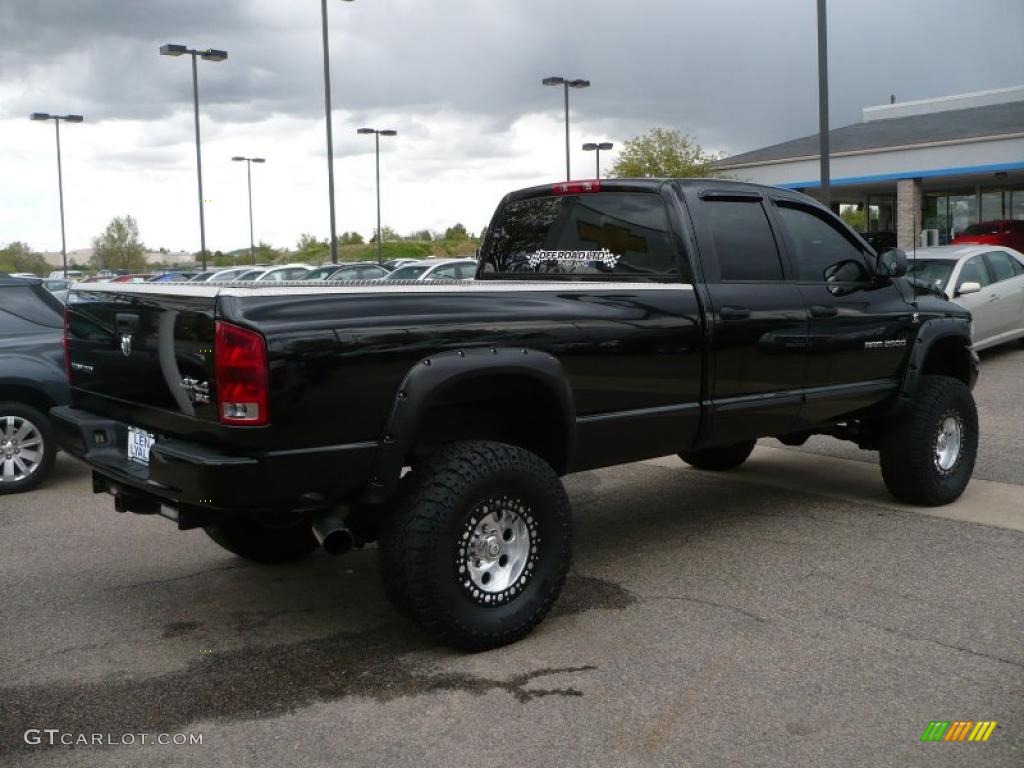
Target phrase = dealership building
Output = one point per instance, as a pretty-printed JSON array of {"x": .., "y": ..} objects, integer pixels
[{"x": 925, "y": 170}]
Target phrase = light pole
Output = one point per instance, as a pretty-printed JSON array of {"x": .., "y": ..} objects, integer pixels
[
  {"x": 823, "y": 137},
  {"x": 591, "y": 146},
  {"x": 566, "y": 84},
  {"x": 376, "y": 136},
  {"x": 210, "y": 54},
  {"x": 248, "y": 172},
  {"x": 330, "y": 135},
  {"x": 60, "y": 176}
]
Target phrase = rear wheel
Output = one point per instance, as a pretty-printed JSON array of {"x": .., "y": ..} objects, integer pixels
[
  {"x": 928, "y": 455},
  {"x": 720, "y": 458},
  {"x": 263, "y": 542},
  {"x": 27, "y": 447},
  {"x": 479, "y": 546}
]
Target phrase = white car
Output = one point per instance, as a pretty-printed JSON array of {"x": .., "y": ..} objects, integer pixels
[
  {"x": 275, "y": 274},
  {"x": 988, "y": 280},
  {"x": 226, "y": 275},
  {"x": 436, "y": 269}
]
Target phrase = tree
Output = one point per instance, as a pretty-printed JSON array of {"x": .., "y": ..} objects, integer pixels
[
  {"x": 661, "y": 153},
  {"x": 18, "y": 257},
  {"x": 855, "y": 216},
  {"x": 420, "y": 236},
  {"x": 456, "y": 232},
  {"x": 119, "y": 246},
  {"x": 388, "y": 234},
  {"x": 308, "y": 248},
  {"x": 350, "y": 238}
]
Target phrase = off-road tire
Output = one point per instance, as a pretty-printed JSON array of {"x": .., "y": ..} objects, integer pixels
[
  {"x": 41, "y": 424},
  {"x": 423, "y": 544},
  {"x": 908, "y": 447},
  {"x": 263, "y": 543},
  {"x": 720, "y": 458}
]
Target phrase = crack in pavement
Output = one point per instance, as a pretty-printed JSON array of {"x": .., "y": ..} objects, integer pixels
[
  {"x": 712, "y": 603},
  {"x": 950, "y": 646},
  {"x": 181, "y": 578}
]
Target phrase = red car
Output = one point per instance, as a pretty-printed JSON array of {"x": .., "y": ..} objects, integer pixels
[
  {"x": 130, "y": 278},
  {"x": 1002, "y": 232}
]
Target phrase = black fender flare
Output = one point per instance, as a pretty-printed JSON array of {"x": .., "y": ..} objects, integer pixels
[
  {"x": 436, "y": 372},
  {"x": 932, "y": 332}
]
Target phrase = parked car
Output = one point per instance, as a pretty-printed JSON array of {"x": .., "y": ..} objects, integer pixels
[
  {"x": 233, "y": 273},
  {"x": 987, "y": 281},
  {"x": 279, "y": 274},
  {"x": 137, "y": 277},
  {"x": 72, "y": 274},
  {"x": 202, "y": 277},
  {"x": 1008, "y": 232},
  {"x": 604, "y": 327},
  {"x": 169, "y": 277},
  {"x": 367, "y": 270},
  {"x": 392, "y": 264},
  {"x": 24, "y": 274},
  {"x": 32, "y": 380},
  {"x": 436, "y": 269},
  {"x": 58, "y": 288}
]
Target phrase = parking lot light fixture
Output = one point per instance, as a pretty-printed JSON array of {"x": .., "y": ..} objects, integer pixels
[
  {"x": 376, "y": 135},
  {"x": 41, "y": 116},
  {"x": 592, "y": 146},
  {"x": 248, "y": 172},
  {"x": 209, "y": 54},
  {"x": 566, "y": 85}
]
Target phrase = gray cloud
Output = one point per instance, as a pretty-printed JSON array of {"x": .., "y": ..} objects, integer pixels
[{"x": 736, "y": 73}]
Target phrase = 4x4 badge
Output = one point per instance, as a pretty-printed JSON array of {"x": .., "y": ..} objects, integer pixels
[{"x": 126, "y": 345}]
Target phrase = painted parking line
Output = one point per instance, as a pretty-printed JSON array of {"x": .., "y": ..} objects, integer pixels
[{"x": 986, "y": 502}]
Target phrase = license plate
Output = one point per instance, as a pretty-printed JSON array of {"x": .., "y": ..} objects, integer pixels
[{"x": 139, "y": 443}]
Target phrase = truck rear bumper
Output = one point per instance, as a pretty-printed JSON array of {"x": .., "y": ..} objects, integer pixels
[{"x": 205, "y": 484}]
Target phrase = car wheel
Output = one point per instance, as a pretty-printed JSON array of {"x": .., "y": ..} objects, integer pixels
[
  {"x": 478, "y": 548},
  {"x": 928, "y": 455},
  {"x": 721, "y": 457},
  {"x": 27, "y": 447},
  {"x": 262, "y": 542}
]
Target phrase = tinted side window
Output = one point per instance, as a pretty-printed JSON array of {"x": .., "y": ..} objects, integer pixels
[
  {"x": 744, "y": 242},
  {"x": 815, "y": 243},
  {"x": 974, "y": 272},
  {"x": 597, "y": 235},
  {"x": 443, "y": 273},
  {"x": 36, "y": 305},
  {"x": 1001, "y": 264}
]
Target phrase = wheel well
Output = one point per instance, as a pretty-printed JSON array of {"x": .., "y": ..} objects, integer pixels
[
  {"x": 508, "y": 408},
  {"x": 26, "y": 395},
  {"x": 949, "y": 356}
]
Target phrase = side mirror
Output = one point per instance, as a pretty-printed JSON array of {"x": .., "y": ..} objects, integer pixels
[
  {"x": 966, "y": 288},
  {"x": 891, "y": 263}
]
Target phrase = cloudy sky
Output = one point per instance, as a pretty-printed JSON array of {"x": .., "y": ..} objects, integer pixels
[{"x": 459, "y": 80}]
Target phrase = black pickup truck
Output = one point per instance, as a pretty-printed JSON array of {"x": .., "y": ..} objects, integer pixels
[{"x": 609, "y": 322}]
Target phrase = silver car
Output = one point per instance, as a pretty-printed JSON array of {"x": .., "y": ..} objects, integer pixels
[
  {"x": 436, "y": 269},
  {"x": 988, "y": 280}
]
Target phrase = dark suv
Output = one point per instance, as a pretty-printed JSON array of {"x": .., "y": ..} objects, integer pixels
[{"x": 32, "y": 380}]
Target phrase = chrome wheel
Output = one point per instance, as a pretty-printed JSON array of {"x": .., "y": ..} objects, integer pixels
[
  {"x": 497, "y": 550},
  {"x": 948, "y": 442},
  {"x": 21, "y": 449}
]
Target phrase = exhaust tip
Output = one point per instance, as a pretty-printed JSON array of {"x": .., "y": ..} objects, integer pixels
[{"x": 333, "y": 535}]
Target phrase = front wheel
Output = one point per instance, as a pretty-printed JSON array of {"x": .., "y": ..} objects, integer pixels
[
  {"x": 27, "y": 447},
  {"x": 928, "y": 455},
  {"x": 478, "y": 547},
  {"x": 262, "y": 542}
]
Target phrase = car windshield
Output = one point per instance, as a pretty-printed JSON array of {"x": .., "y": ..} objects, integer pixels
[
  {"x": 247, "y": 277},
  {"x": 411, "y": 272},
  {"x": 932, "y": 272}
]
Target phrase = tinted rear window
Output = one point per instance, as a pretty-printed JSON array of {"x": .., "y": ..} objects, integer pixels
[
  {"x": 620, "y": 234},
  {"x": 27, "y": 310}
]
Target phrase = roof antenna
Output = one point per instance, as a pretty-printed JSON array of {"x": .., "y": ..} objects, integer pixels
[
  {"x": 892, "y": 98},
  {"x": 913, "y": 268}
]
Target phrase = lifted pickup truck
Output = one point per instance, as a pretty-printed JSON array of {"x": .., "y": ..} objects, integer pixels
[{"x": 609, "y": 322}]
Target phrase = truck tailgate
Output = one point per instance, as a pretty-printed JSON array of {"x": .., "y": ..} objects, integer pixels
[{"x": 149, "y": 345}]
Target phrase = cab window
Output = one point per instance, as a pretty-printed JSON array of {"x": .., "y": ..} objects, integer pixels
[
  {"x": 815, "y": 243},
  {"x": 744, "y": 243}
]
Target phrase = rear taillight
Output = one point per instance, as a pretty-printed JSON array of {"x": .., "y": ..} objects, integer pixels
[
  {"x": 240, "y": 360},
  {"x": 576, "y": 187},
  {"x": 66, "y": 343}
]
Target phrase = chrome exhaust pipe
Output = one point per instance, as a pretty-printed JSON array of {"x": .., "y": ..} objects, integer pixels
[{"x": 332, "y": 533}]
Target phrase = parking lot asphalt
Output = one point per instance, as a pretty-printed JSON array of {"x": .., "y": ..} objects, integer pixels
[{"x": 709, "y": 619}]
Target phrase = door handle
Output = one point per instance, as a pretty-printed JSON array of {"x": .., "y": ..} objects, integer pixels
[
  {"x": 820, "y": 311},
  {"x": 993, "y": 297},
  {"x": 734, "y": 313}
]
